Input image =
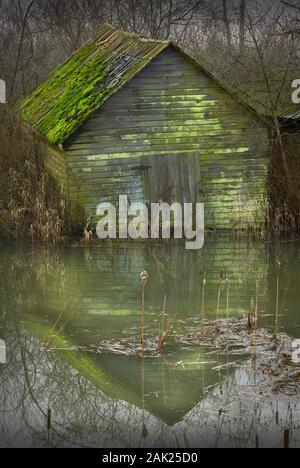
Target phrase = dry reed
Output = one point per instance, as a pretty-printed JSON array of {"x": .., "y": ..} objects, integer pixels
[
  {"x": 203, "y": 306},
  {"x": 227, "y": 303},
  {"x": 144, "y": 279},
  {"x": 164, "y": 336},
  {"x": 32, "y": 204},
  {"x": 277, "y": 301},
  {"x": 219, "y": 300},
  {"x": 286, "y": 438}
]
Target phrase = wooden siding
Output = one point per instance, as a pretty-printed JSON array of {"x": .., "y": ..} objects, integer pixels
[
  {"x": 173, "y": 129},
  {"x": 55, "y": 162}
]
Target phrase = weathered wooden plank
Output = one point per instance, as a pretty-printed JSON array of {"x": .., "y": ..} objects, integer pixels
[{"x": 168, "y": 127}]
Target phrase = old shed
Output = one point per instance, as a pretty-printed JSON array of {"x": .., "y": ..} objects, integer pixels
[{"x": 128, "y": 115}]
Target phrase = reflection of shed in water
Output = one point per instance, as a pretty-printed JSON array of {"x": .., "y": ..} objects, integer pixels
[
  {"x": 167, "y": 387},
  {"x": 103, "y": 290},
  {"x": 105, "y": 283}
]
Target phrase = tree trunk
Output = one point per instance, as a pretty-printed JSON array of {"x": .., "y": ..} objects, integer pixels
[
  {"x": 242, "y": 26},
  {"x": 226, "y": 23}
]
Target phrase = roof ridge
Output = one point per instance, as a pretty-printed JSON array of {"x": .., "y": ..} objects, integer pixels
[{"x": 137, "y": 35}]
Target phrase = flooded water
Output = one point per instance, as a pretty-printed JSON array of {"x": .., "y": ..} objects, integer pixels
[{"x": 185, "y": 398}]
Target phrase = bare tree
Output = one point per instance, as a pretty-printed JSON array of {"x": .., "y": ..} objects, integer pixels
[
  {"x": 24, "y": 18},
  {"x": 226, "y": 23},
  {"x": 155, "y": 18},
  {"x": 242, "y": 26}
]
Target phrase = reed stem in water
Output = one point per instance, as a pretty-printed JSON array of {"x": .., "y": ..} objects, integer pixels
[
  {"x": 49, "y": 423},
  {"x": 164, "y": 336},
  {"x": 251, "y": 315},
  {"x": 219, "y": 300},
  {"x": 286, "y": 438},
  {"x": 257, "y": 298},
  {"x": 254, "y": 325},
  {"x": 227, "y": 303},
  {"x": 203, "y": 305},
  {"x": 277, "y": 306},
  {"x": 49, "y": 336},
  {"x": 144, "y": 279},
  {"x": 162, "y": 320},
  {"x": 277, "y": 301}
]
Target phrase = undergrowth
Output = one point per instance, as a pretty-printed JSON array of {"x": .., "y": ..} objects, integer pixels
[{"x": 32, "y": 205}]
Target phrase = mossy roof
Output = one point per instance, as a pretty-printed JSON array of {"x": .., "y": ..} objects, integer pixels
[{"x": 73, "y": 92}]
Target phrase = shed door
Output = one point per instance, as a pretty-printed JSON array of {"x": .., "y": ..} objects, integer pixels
[{"x": 170, "y": 178}]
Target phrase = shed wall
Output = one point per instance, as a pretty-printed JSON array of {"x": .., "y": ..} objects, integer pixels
[{"x": 172, "y": 133}]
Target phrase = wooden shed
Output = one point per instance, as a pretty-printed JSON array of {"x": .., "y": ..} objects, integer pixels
[{"x": 129, "y": 115}]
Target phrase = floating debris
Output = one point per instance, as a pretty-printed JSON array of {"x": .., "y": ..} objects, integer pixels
[
  {"x": 282, "y": 371},
  {"x": 233, "y": 336},
  {"x": 271, "y": 355}
]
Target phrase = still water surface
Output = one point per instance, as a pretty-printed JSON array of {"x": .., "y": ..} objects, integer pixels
[{"x": 185, "y": 398}]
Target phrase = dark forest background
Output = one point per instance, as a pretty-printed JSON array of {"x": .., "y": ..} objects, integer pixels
[{"x": 252, "y": 45}]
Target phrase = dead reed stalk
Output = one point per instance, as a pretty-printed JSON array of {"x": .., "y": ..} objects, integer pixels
[
  {"x": 49, "y": 423},
  {"x": 203, "y": 306},
  {"x": 227, "y": 303},
  {"x": 162, "y": 319},
  {"x": 164, "y": 336},
  {"x": 277, "y": 301},
  {"x": 254, "y": 324},
  {"x": 219, "y": 300},
  {"x": 251, "y": 315},
  {"x": 51, "y": 336},
  {"x": 286, "y": 438},
  {"x": 49, "y": 418},
  {"x": 257, "y": 298},
  {"x": 61, "y": 328},
  {"x": 144, "y": 279}
]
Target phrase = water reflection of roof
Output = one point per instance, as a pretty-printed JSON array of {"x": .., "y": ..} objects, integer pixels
[{"x": 170, "y": 392}]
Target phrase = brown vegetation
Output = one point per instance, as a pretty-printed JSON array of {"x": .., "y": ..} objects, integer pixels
[
  {"x": 31, "y": 203},
  {"x": 285, "y": 199}
]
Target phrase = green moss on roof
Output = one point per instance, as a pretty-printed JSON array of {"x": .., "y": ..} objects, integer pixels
[{"x": 72, "y": 93}]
